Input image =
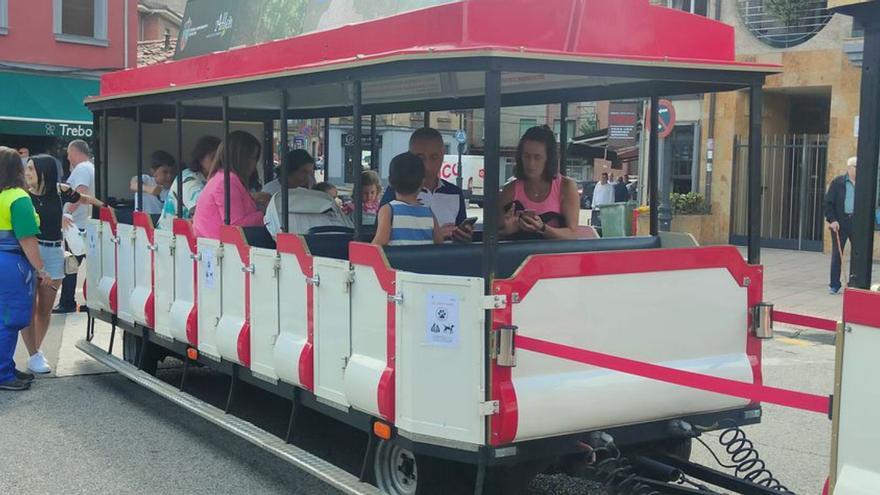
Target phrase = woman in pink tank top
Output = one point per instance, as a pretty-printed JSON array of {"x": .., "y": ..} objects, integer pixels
[{"x": 540, "y": 202}]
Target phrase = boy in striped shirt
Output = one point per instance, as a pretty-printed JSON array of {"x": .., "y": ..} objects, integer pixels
[{"x": 405, "y": 221}]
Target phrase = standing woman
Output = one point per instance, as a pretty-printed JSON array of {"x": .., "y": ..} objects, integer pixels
[
  {"x": 20, "y": 264},
  {"x": 540, "y": 202},
  {"x": 48, "y": 197},
  {"x": 195, "y": 176},
  {"x": 242, "y": 152}
]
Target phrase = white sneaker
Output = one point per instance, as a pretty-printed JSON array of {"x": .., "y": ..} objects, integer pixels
[{"x": 38, "y": 364}]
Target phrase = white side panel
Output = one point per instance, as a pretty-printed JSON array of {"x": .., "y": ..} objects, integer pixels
[
  {"x": 697, "y": 322},
  {"x": 858, "y": 464},
  {"x": 264, "y": 311},
  {"x": 163, "y": 280},
  {"x": 108, "y": 264},
  {"x": 184, "y": 290},
  {"x": 143, "y": 276},
  {"x": 94, "y": 265},
  {"x": 232, "y": 314},
  {"x": 332, "y": 329},
  {"x": 439, "y": 375},
  {"x": 210, "y": 283},
  {"x": 369, "y": 323},
  {"x": 293, "y": 320},
  {"x": 125, "y": 277}
]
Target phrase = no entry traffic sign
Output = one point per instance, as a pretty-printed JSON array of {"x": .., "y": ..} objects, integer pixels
[{"x": 666, "y": 116}]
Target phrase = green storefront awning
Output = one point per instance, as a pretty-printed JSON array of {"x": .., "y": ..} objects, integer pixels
[{"x": 41, "y": 105}]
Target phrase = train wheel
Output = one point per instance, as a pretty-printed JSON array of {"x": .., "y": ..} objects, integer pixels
[
  {"x": 131, "y": 351},
  {"x": 398, "y": 471}
]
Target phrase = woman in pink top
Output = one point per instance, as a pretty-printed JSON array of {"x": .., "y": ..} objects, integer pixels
[
  {"x": 243, "y": 152},
  {"x": 540, "y": 202}
]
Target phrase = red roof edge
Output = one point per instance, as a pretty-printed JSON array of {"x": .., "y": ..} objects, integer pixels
[{"x": 625, "y": 30}]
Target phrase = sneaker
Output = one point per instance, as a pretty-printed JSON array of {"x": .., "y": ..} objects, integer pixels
[
  {"x": 63, "y": 309},
  {"x": 24, "y": 376},
  {"x": 38, "y": 364},
  {"x": 834, "y": 291},
  {"x": 15, "y": 385}
]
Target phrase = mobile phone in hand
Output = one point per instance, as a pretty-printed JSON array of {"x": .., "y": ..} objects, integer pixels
[{"x": 470, "y": 221}]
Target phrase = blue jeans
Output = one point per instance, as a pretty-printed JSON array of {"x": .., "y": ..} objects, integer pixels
[{"x": 16, "y": 305}]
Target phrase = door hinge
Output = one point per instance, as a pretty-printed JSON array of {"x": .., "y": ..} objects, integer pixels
[
  {"x": 494, "y": 302},
  {"x": 349, "y": 280},
  {"x": 313, "y": 281},
  {"x": 276, "y": 267},
  {"x": 395, "y": 298},
  {"x": 502, "y": 346},
  {"x": 489, "y": 408}
]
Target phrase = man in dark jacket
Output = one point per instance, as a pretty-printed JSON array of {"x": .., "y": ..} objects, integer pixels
[
  {"x": 839, "y": 202},
  {"x": 621, "y": 195}
]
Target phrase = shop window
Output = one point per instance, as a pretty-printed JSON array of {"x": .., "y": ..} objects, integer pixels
[
  {"x": 81, "y": 21},
  {"x": 699, "y": 7},
  {"x": 526, "y": 124},
  {"x": 680, "y": 151},
  {"x": 569, "y": 128},
  {"x": 4, "y": 16}
]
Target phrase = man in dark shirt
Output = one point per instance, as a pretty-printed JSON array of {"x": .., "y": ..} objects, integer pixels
[
  {"x": 839, "y": 202},
  {"x": 621, "y": 194}
]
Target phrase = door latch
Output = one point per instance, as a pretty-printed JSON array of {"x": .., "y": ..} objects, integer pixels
[{"x": 502, "y": 348}]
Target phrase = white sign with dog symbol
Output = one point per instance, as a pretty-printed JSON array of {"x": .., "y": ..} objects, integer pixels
[{"x": 442, "y": 320}]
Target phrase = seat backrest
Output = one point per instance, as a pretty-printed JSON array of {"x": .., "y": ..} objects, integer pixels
[
  {"x": 329, "y": 245},
  {"x": 125, "y": 216},
  {"x": 258, "y": 237},
  {"x": 466, "y": 259}
]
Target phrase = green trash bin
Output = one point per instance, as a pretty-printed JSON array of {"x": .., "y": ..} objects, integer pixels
[{"x": 617, "y": 219}]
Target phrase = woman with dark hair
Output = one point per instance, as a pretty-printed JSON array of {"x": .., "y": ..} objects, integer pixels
[
  {"x": 20, "y": 264},
  {"x": 195, "y": 176},
  {"x": 540, "y": 202},
  {"x": 242, "y": 152},
  {"x": 48, "y": 197}
]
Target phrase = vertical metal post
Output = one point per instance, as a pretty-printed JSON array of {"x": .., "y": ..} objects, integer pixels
[
  {"x": 802, "y": 194},
  {"x": 285, "y": 145},
  {"x": 374, "y": 158},
  {"x": 178, "y": 119},
  {"x": 492, "y": 141},
  {"x": 326, "y": 149},
  {"x": 427, "y": 119},
  {"x": 356, "y": 163},
  {"x": 97, "y": 145},
  {"x": 654, "y": 166},
  {"x": 756, "y": 106},
  {"x": 268, "y": 150},
  {"x": 563, "y": 136},
  {"x": 227, "y": 166},
  {"x": 459, "y": 177},
  {"x": 105, "y": 133},
  {"x": 868, "y": 157},
  {"x": 140, "y": 159}
]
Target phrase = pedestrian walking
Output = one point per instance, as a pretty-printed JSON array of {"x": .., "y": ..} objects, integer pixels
[
  {"x": 839, "y": 202},
  {"x": 621, "y": 194},
  {"x": 81, "y": 180},
  {"x": 48, "y": 197},
  {"x": 603, "y": 194},
  {"x": 20, "y": 263}
]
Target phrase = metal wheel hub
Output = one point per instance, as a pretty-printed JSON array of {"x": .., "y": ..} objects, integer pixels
[{"x": 396, "y": 470}]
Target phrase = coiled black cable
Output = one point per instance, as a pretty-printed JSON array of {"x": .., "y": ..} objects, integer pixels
[
  {"x": 747, "y": 462},
  {"x": 616, "y": 474}
]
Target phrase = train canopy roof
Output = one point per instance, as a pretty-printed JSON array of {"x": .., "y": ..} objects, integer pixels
[{"x": 434, "y": 59}]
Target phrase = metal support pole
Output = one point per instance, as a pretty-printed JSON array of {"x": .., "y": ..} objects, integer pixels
[
  {"x": 427, "y": 119},
  {"x": 140, "y": 159},
  {"x": 268, "y": 150},
  {"x": 492, "y": 141},
  {"x": 356, "y": 162},
  {"x": 227, "y": 168},
  {"x": 459, "y": 176},
  {"x": 374, "y": 158},
  {"x": 563, "y": 136},
  {"x": 178, "y": 118},
  {"x": 654, "y": 166},
  {"x": 105, "y": 133},
  {"x": 97, "y": 145},
  {"x": 326, "y": 149},
  {"x": 756, "y": 106},
  {"x": 868, "y": 157},
  {"x": 285, "y": 145}
]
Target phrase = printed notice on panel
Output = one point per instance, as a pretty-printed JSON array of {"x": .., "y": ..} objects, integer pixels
[
  {"x": 92, "y": 242},
  {"x": 210, "y": 262},
  {"x": 442, "y": 327}
]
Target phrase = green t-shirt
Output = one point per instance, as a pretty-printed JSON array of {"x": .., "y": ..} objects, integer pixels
[{"x": 24, "y": 218}]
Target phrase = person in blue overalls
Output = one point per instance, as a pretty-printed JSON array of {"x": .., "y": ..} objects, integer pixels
[{"x": 20, "y": 264}]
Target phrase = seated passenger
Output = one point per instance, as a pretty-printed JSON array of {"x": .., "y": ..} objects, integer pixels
[
  {"x": 195, "y": 176},
  {"x": 328, "y": 188},
  {"x": 242, "y": 151},
  {"x": 444, "y": 199},
  {"x": 405, "y": 221},
  {"x": 307, "y": 208},
  {"x": 539, "y": 202},
  {"x": 297, "y": 160},
  {"x": 371, "y": 187},
  {"x": 156, "y": 185}
]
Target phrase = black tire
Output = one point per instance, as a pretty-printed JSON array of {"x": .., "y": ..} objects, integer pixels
[
  {"x": 397, "y": 471},
  {"x": 131, "y": 351}
]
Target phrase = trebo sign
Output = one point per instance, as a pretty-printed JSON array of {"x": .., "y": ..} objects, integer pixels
[{"x": 75, "y": 131}]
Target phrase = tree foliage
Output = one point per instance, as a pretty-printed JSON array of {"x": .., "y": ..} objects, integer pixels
[{"x": 788, "y": 11}]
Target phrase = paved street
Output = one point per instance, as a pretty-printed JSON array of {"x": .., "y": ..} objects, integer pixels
[{"x": 83, "y": 430}]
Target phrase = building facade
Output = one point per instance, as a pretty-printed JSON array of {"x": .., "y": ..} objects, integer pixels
[{"x": 52, "y": 53}]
